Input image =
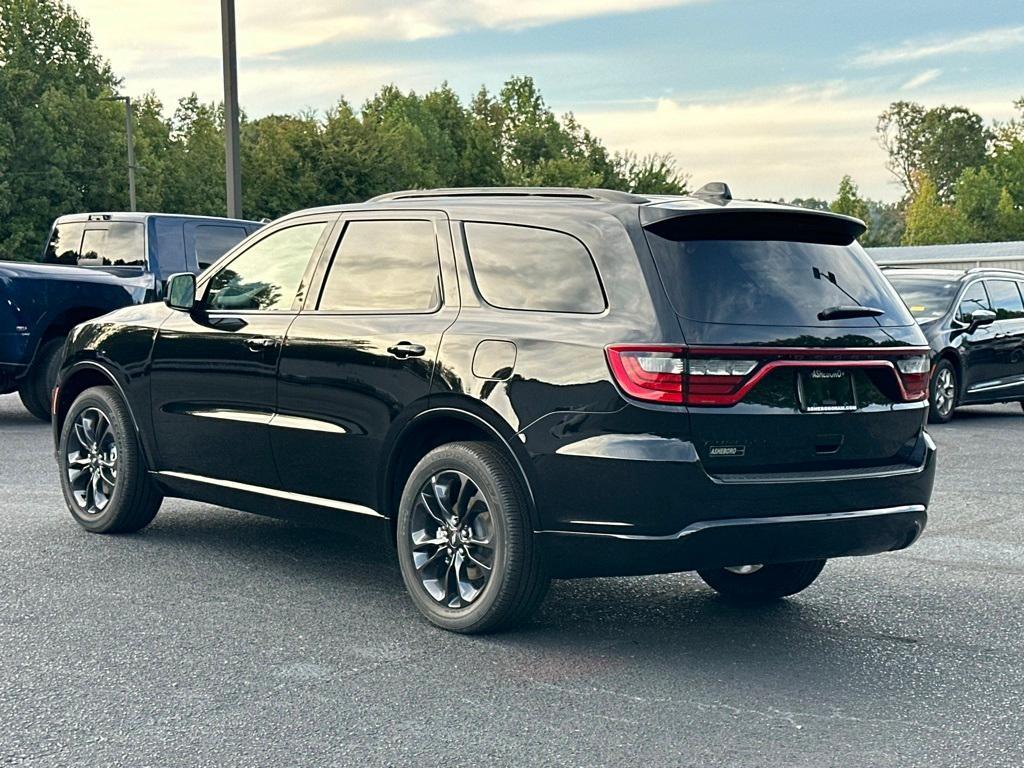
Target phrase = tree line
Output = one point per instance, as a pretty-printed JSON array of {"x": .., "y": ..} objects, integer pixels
[
  {"x": 62, "y": 141},
  {"x": 62, "y": 149},
  {"x": 962, "y": 180}
]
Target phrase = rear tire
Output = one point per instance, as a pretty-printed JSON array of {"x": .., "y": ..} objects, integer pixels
[
  {"x": 943, "y": 393},
  {"x": 103, "y": 473},
  {"x": 465, "y": 544},
  {"x": 36, "y": 388},
  {"x": 769, "y": 582}
]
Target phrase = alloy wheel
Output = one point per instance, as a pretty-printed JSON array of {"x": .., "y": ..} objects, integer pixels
[
  {"x": 91, "y": 461},
  {"x": 945, "y": 391},
  {"x": 453, "y": 539}
]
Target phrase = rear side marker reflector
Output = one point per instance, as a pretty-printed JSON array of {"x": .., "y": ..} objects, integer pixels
[{"x": 723, "y": 376}]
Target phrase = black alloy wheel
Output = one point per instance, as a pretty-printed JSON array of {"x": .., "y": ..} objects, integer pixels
[
  {"x": 465, "y": 544},
  {"x": 104, "y": 477}
]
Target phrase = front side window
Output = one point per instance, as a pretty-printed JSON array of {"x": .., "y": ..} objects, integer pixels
[
  {"x": 533, "y": 269},
  {"x": 1006, "y": 299},
  {"x": 267, "y": 275},
  {"x": 118, "y": 244},
  {"x": 974, "y": 298},
  {"x": 65, "y": 244},
  {"x": 384, "y": 266}
]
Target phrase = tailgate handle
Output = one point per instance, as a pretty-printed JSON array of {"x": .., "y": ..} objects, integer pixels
[{"x": 827, "y": 444}]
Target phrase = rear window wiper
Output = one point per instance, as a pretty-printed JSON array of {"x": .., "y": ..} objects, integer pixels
[{"x": 846, "y": 312}]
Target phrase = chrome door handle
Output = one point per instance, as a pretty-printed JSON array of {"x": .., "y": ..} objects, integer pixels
[
  {"x": 404, "y": 349},
  {"x": 259, "y": 344}
]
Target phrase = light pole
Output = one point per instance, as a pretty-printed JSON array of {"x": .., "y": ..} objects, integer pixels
[
  {"x": 131, "y": 145},
  {"x": 232, "y": 161}
]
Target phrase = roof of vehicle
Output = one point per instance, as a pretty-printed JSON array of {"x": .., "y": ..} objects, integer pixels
[
  {"x": 142, "y": 216},
  {"x": 712, "y": 198}
]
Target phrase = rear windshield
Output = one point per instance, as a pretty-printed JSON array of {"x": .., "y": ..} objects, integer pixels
[
  {"x": 927, "y": 299},
  {"x": 773, "y": 282}
]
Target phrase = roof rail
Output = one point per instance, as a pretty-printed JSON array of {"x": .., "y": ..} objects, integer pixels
[
  {"x": 1007, "y": 270},
  {"x": 568, "y": 193}
]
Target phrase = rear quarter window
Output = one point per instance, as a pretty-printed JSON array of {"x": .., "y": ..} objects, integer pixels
[
  {"x": 528, "y": 268},
  {"x": 214, "y": 240}
]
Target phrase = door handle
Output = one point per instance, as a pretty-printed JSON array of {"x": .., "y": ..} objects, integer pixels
[
  {"x": 259, "y": 344},
  {"x": 404, "y": 349}
]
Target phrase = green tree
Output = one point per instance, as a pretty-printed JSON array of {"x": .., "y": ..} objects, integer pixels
[
  {"x": 58, "y": 140},
  {"x": 940, "y": 142},
  {"x": 929, "y": 220},
  {"x": 849, "y": 202}
]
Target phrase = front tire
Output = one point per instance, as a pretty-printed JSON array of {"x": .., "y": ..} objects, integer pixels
[
  {"x": 943, "y": 393},
  {"x": 102, "y": 470},
  {"x": 37, "y": 386},
  {"x": 762, "y": 583},
  {"x": 465, "y": 544}
]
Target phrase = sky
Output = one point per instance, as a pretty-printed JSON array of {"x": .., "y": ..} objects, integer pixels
[{"x": 779, "y": 98}]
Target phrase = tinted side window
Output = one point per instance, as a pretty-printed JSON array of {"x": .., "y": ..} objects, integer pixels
[
  {"x": 64, "y": 244},
  {"x": 118, "y": 244},
  {"x": 537, "y": 269},
  {"x": 973, "y": 299},
  {"x": 384, "y": 266},
  {"x": 266, "y": 276},
  {"x": 213, "y": 241},
  {"x": 1006, "y": 300}
]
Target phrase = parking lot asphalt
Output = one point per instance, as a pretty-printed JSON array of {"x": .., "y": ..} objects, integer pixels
[{"x": 220, "y": 638}]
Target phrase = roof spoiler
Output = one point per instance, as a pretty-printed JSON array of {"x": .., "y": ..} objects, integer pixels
[{"x": 751, "y": 223}]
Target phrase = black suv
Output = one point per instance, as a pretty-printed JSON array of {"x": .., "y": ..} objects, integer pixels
[
  {"x": 523, "y": 384},
  {"x": 974, "y": 322}
]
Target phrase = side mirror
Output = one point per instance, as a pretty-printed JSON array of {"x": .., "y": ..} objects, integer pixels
[
  {"x": 181, "y": 291},
  {"x": 981, "y": 317}
]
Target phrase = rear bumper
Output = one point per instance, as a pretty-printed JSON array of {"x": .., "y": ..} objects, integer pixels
[{"x": 737, "y": 541}]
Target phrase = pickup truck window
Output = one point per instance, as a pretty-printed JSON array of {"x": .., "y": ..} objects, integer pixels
[
  {"x": 118, "y": 244},
  {"x": 65, "y": 244},
  {"x": 213, "y": 241}
]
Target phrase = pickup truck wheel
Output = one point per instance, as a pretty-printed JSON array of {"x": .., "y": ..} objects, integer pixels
[
  {"x": 37, "y": 386},
  {"x": 102, "y": 470},
  {"x": 759, "y": 583},
  {"x": 465, "y": 544}
]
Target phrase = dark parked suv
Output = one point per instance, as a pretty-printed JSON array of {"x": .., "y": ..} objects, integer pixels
[
  {"x": 974, "y": 322},
  {"x": 523, "y": 384}
]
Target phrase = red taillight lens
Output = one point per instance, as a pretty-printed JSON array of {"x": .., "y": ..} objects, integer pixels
[
  {"x": 915, "y": 373},
  {"x": 667, "y": 375},
  {"x": 654, "y": 374}
]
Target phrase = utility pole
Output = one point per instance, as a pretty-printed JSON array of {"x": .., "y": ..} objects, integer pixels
[
  {"x": 232, "y": 160},
  {"x": 130, "y": 138}
]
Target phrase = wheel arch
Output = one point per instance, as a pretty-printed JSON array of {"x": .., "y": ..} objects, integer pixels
[
  {"x": 85, "y": 375},
  {"x": 438, "y": 426}
]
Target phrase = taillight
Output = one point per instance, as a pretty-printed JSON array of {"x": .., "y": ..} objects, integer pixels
[
  {"x": 679, "y": 375},
  {"x": 654, "y": 374},
  {"x": 667, "y": 375},
  {"x": 915, "y": 372}
]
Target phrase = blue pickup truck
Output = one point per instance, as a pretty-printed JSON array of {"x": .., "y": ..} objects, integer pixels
[{"x": 92, "y": 264}]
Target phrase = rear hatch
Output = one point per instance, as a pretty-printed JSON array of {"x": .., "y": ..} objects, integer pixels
[{"x": 799, "y": 356}]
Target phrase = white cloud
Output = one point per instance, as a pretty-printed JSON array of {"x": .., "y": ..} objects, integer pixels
[
  {"x": 986, "y": 41},
  {"x": 134, "y": 33},
  {"x": 922, "y": 79},
  {"x": 794, "y": 144}
]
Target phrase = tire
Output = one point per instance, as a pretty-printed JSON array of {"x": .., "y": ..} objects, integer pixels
[
  {"x": 37, "y": 387},
  {"x": 943, "y": 393},
  {"x": 113, "y": 493},
  {"x": 769, "y": 582},
  {"x": 502, "y": 583}
]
